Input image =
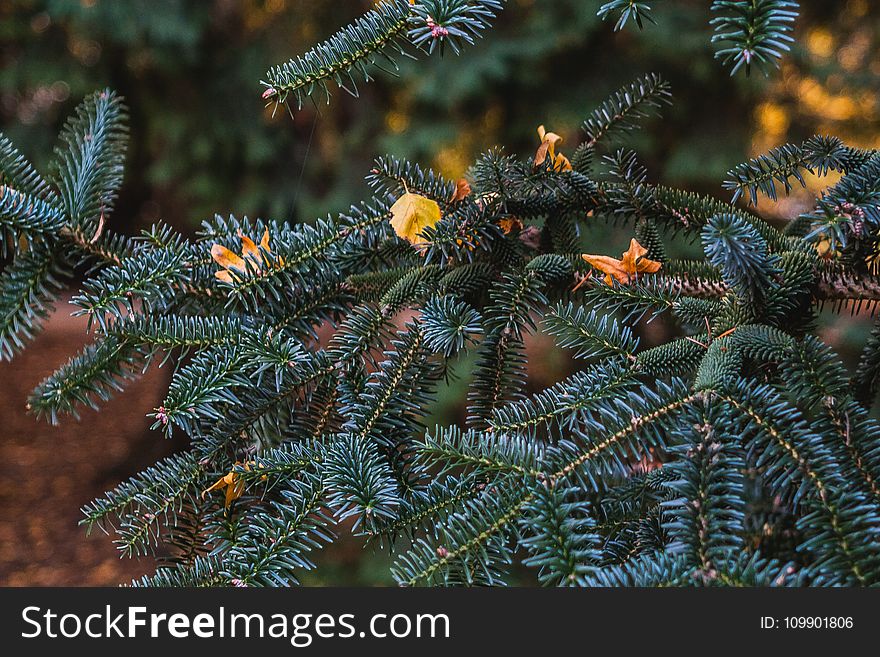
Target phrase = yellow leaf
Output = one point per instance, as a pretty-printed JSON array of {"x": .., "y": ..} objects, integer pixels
[
  {"x": 632, "y": 263},
  {"x": 541, "y": 154},
  {"x": 411, "y": 214},
  {"x": 550, "y": 138}
]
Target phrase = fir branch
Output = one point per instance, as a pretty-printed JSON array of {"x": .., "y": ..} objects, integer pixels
[
  {"x": 17, "y": 173},
  {"x": 486, "y": 453},
  {"x": 28, "y": 288},
  {"x": 561, "y": 538},
  {"x": 866, "y": 381},
  {"x": 753, "y": 31},
  {"x": 278, "y": 541},
  {"x": 588, "y": 334},
  {"x": 374, "y": 40},
  {"x": 361, "y": 483},
  {"x": 707, "y": 519},
  {"x": 94, "y": 375},
  {"x": 817, "y": 155},
  {"x": 150, "y": 277},
  {"x": 137, "y": 506},
  {"x": 204, "y": 572},
  {"x": 626, "y": 9},
  {"x": 567, "y": 404},
  {"x": 89, "y": 158},
  {"x": 23, "y": 214},
  {"x": 630, "y": 104},
  {"x": 471, "y": 545}
]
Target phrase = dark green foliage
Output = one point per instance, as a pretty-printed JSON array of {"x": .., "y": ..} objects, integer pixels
[
  {"x": 27, "y": 204},
  {"x": 93, "y": 375},
  {"x": 747, "y": 31},
  {"x": 139, "y": 505},
  {"x": 848, "y": 211},
  {"x": 589, "y": 334},
  {"x": 462, "y": 20},
  {"x": 706, "y": 518},
  {"x": 741, "y": 254},
  {"x": 47, "y": 226},
  {"x": 393, "y": 28},
  {"x": 449, "y": 324},
  {"x": 736, "y": 451},
  {"x": 28, "y": 286},
  {"x": 817, "y": 155},
  {"x": 626, "y": 107},
  {"x": 363, "y": 484},
  {"x": 562, "y": 539},
  {"x": 866, "y": 381},
  {"x": 626, "y": 9},
  {"x": 89, "y": 159},
  {"x": 275, "y": 544},
  {"x": 753, "y": 31}
]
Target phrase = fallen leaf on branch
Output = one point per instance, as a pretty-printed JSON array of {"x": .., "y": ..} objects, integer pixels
[
  {"x": 630, "y": 265},
  {"x": 510, "y": 225},
  {"x": 462, "y": 191},
  {"x": 232, "y": 262},
  {"x": 411, "y": 214},
  {"x": 547, "y": 149},
  {"x": 232, "y": 482}
]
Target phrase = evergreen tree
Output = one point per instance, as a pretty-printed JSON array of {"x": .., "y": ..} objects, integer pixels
[{"x": 741, "y": 452}]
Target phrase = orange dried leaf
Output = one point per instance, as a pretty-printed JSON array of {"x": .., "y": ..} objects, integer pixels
[
  {"x": 226, "y": 258},
  {"x": 462, "y": 191},
  {"x": 232, "y": 262},
  {"x": 549, "y": 142},
  {"x": 233, "y": 484},
  {"x": 551, "y": 138},
  {"x": 249, "y": 249},
  {"x": 510, "y": 225},
  {"x": 632, "y": 263},
  {"x": 611, "y": 267},
  {"x": 541, "y": 154},
  {"x": 561, "y": 163}
]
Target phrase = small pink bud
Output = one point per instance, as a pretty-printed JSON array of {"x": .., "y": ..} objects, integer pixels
[{"x": 269, "y": 93}]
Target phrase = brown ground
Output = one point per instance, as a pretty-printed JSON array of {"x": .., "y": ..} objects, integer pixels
[{"x": 47, "y": 473}]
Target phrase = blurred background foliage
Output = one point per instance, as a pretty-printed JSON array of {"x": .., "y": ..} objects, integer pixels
[{"x": 202, "y": 141}]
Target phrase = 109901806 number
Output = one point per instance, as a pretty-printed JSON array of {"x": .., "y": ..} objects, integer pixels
[{"x": 818, "y": 622}]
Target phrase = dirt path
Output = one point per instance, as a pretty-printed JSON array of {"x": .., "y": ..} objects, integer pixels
[{"x": 47, "y": 473}]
